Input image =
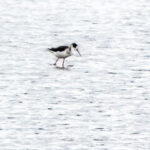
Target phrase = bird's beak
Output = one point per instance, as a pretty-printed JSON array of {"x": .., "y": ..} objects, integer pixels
[{"x": 78, "y": 52}]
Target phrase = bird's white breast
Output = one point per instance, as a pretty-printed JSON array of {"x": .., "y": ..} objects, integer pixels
[{"x": 63, "y": 54}]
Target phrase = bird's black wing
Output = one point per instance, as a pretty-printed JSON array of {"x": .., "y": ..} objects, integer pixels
[{"x": 58, "y": 49}]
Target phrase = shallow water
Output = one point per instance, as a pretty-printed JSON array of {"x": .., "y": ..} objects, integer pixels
[{"x": 100, "y": 101}]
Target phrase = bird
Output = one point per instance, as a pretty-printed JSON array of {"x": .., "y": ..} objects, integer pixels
[{"x": 62, "y": 52}]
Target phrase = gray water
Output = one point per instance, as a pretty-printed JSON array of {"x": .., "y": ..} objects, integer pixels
[{"x": 101, "y": 102}]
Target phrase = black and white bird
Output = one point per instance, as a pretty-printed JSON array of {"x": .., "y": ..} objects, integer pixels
[{"x": 62, "y": 52}]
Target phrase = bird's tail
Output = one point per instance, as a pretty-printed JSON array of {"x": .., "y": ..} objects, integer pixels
[{"x": 50, "y": 50}]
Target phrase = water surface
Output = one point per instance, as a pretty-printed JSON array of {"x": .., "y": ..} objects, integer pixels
[{"x": 101, "y": 102}]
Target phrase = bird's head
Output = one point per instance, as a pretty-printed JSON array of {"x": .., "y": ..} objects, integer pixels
[{"x": 75, "y": 47}]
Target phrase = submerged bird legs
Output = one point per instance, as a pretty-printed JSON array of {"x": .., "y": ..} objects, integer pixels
[{"x": 62, "y": 62}]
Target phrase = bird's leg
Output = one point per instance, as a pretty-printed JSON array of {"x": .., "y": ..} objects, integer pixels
[
  {"x": 56, "y": 61},
  {"x": 63, "y": 62}
]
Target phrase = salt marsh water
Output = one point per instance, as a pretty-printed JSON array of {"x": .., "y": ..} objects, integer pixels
[{"x": 102, "y": 102}]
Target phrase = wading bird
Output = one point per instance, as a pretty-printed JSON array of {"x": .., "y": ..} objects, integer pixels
[{"x": 62, "y": 52}]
